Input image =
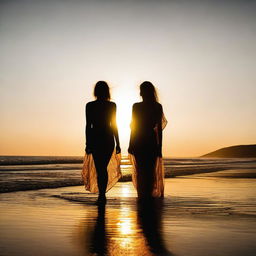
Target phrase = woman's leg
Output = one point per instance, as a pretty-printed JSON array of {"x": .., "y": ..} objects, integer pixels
[
  {"x": 101, "y": 159},
  {"x": 145, "y": 174},
  {"x": 101, "y": 168}
]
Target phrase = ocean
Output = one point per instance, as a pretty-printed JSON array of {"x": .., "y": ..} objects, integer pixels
[{"x": 19, "y": 173}]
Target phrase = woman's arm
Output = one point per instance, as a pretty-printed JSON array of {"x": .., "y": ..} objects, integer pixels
[
  {"x": 88, "y": 130},
  {"x": 159, "y": 131},
  {"x": 115, "y": 130},
  {"x": 132, "y": 126}
]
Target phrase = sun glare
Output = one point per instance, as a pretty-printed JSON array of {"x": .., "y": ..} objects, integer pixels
[{"x": 124, "y": 99}]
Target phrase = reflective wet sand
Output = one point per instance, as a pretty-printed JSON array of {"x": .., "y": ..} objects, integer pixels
[{"x": 199, "y": 216}]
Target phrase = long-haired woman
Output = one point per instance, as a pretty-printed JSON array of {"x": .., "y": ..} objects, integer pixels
[
  {"x": 101, "y": 168},
  {"x": 146, "y": 143}
]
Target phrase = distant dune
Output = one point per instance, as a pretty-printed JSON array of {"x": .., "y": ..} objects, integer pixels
[{"x": 234, "y": 151}]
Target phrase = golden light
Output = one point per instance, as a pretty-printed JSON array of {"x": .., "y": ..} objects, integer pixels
[
  {"x": 124, "y": 97},
  {"x": 125, "y": 222},
  {"x": 125, "y": 226},
  {"x": 126, "y": 192}
]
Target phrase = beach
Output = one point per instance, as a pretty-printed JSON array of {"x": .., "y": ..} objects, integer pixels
[
  {"x": 167, "y": 80},
  {"x": 203, "y": 213}
]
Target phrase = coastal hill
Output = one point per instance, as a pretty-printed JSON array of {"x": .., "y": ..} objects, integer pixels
[{"x": 234, "y": 151}]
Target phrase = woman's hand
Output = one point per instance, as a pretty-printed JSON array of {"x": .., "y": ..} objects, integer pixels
[
  {"x": 130, "y": 151},
  {"x": 118, "y": 149},
  {"x": 88, "y": 150},
  {"x": 159, "y": 151}
]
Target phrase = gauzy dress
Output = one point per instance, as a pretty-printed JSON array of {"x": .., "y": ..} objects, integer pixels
[
  {"x": 145, "y": 149},
  {"x": 101, "y": 119}
]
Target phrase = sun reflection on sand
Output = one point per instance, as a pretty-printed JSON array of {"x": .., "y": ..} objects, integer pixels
[
  {"x": 126, "y": 227},
  {"x": 127, "y": 240},
  {"x": 125, "y": 224},
  {"x": 114, "y": 232}
]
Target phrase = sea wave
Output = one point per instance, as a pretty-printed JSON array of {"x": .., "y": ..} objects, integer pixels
[
  {"x": 35, "y": 160},
  {"x": 56, "y": 172}
]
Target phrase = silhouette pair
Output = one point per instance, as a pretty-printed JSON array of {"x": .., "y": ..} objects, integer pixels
[{"x": 102, "y": 162}]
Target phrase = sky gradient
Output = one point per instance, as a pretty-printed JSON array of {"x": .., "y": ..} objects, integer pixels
[{"x": 199, "y": 54}]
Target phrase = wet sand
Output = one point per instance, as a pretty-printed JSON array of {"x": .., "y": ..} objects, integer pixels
[{"x": 200, "y": 215}]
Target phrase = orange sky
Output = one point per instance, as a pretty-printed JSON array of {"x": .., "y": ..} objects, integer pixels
[{"x": 200, "y": 56}]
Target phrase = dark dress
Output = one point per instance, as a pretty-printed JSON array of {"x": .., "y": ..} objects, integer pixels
[
  {"x": 146, "y": 145},
  {"x": 100, "y": 125}
]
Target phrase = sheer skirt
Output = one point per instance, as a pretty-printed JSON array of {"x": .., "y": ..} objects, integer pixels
[
  {"x": 89, "y": 173},
  {"x": 148, "y": 170},
  {"x": 141, "y": 181}
]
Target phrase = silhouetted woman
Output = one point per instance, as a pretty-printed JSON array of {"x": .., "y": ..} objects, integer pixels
[
  {"x": 146, "y": 143},
  {"x": 101, "y": 168}
]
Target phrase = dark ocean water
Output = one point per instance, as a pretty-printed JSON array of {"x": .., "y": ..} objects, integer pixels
[{"x": 35, "y": 172}]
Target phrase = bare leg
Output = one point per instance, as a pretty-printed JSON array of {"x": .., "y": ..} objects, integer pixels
[
  {"x": 145, "y": 174},
  {"x": 101, "y": 161}
]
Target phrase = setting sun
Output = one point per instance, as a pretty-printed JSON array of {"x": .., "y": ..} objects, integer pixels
[{"x": 124, "y": 99}]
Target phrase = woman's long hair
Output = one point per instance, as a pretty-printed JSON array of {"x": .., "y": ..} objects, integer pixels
[
  {"x": 148, "y": 92},
  {"x": 101, "y": 91}
]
